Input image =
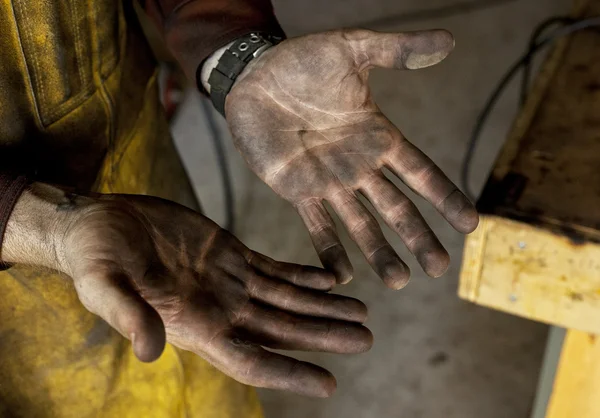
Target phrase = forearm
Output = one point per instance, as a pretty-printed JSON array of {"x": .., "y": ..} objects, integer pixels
[
  {"x": 37, "y": 224},
  {"x": 194, "y": 29}
]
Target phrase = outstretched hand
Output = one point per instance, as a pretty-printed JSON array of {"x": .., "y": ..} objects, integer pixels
[
  {"x": 303, "y": 117},
  {"x": 156, "y": 272}
]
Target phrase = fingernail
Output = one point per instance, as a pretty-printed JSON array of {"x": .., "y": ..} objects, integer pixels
[
  {"x": 436, "y": 262},
  {"x": 396, "y": 276},
  {"x": 328, "y": 387},
  {"x": 431, "y": 51},
  {"x": 344, "y": 277}
]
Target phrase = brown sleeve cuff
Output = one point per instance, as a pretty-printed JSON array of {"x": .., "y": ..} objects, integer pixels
[
  {"x": 11, "y": 187},
  {"x": 194, "y": 29}
]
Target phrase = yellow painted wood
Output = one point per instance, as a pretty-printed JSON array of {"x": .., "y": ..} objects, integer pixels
[
  {"x": 576, "y": 392},
  {"x": 532, "y": 272},
  {"x": 543, "y": 193}
]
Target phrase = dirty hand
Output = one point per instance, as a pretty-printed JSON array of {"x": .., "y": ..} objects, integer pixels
[
  {"x": 303, "y": 117},
  {"x": 155, "y": 270}
]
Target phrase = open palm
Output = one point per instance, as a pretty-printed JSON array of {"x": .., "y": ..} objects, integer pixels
[
  {"x": 304, "y": 119},
  {"x": 159, "y": 272}
]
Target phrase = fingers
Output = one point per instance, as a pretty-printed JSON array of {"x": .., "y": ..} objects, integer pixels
[
  {"x": 274, "y": 328},
  {"x": 404, "y": 218},
  {"x": 108, "y": 296},
  {"x": 408, "y": 50},
  {"x": 304, "y": 301},
  {"x": 303, "y": 276},
  {"x": 325, "y": 240},
  {"x": 365, "y": 231},
  {"x": 425, "y": 178},
  {"x": 252, "y": 365}
]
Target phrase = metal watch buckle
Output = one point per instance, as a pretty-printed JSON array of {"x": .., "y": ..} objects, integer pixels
[
  {"x": 256, "y": 38},
  {"x": 259, "y": 51}
]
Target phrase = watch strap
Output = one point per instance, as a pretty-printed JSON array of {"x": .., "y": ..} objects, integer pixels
[{"x": 234, "y": 61}]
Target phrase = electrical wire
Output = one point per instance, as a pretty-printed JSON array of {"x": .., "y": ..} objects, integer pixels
[
  {"x": 535, "y": 36},
  {"x": 222, "y": 162},
  {"x": 509, "y": 75}
]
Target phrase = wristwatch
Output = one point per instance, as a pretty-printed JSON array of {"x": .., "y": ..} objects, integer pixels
[{"x": 234, "y": 61}]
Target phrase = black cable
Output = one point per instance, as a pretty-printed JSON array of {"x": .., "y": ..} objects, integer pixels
[
  {"x": 223, "y": 165},
  {"x": 482, "y": 118},
  {"x": 537, "y": 33},
  {"x": 454, "y": 9}
]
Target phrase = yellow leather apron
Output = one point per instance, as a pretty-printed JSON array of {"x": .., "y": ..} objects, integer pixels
[{"x": 79, "y": 106}]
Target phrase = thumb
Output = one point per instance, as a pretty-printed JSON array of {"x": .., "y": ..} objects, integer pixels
[
  {"x": 110, "y": 296},
  {"x": 408, "y": 50}
]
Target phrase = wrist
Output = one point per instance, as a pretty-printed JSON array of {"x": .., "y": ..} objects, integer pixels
[
  {"x": 38, "y": 224},
  {"x": 253, "y": 65},
  {"x": 210, "y": 64},
  {"x": 221, "y": 71}
]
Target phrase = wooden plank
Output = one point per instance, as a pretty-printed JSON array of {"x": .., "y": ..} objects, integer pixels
[
  {"x": 545, "y": 192},
  {"x": 532, "y": 272},
  {"x": 547, "y": 174},
  {"x": 576, "y": 391}
]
